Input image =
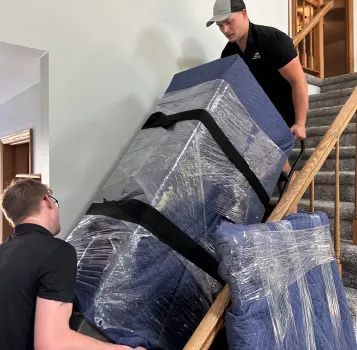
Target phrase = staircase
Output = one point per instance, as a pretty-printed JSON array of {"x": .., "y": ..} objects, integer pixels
[{"x": 324, "y": 107}]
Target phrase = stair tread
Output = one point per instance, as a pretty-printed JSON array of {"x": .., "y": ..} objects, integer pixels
[
  {"x": 331, "y": 94},
  {"x": 328, "y": 206},
  {"x": 320, "y": 111},
  {"x": 344, "y": 151},
  {"x": 351, "y": 296},
  {"x": 312, "y": 80},
  {"x": 346, "y": 177},
  {"x": 323, "y": 128},
  {"x": 339, "y": 79},
  {"x": 328, "y": 177},
  {"x": 349, "y": 248},
  {"x": 324, "y": 203}
]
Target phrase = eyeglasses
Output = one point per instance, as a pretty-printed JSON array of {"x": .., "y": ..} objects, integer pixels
[{"x": 54, "y": 200}]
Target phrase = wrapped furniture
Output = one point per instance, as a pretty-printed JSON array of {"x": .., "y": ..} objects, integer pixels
[
  {"x": 285, "y": 286},
  {"x": 200, "y": 157}
]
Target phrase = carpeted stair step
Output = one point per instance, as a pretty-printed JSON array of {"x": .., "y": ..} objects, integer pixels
[
  {"x": 324, "y": 116},
  {"x": 346, "y": 214},
  {"x": 351, "y": 295},
  {"x": 325, "y": 186},
  {"x": 340, "y": 82},
  {"x": 349, "y": 263},
  {"x": 347, "y": 158},
  {"x": 316, "y": 133},
  {"x": 330, "y": 98}
]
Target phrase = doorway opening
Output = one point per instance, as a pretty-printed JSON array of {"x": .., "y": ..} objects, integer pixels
[
  {"x": 335, "y": 33},
  {"x": 15, "y": 159}
]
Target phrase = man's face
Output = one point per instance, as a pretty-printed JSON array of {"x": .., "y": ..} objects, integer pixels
[
  {"x": 56, "y": 222},
  {"x": 234, "y": 27}
]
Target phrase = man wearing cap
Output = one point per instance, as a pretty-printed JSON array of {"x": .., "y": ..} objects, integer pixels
[{"x": 271, "y": 57}]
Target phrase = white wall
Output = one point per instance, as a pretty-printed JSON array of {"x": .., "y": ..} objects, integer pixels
[
  {"x": 272, "y": 13},
  {"x": 313, "y": 89},
  {"x": 19, "y": 70},
  {"x": 109, "y": 62},
  {"x": 24, "y": 99}
]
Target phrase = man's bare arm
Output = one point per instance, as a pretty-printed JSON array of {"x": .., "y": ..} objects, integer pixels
[
  {"x": 294, "y": 74},
  {"x": 52, "y": 331}
]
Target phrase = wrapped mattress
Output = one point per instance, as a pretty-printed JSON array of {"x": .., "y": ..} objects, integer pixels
[
  {"x": 199, "y": 158},
  {"x": 285, "y": 286}
]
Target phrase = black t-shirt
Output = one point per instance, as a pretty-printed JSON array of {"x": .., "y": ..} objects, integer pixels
[
  {"x": 32, "y": 264},
  {"x": 269, "y": 49}
]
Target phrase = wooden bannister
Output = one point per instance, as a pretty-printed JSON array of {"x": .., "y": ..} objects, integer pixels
[
  {"x": 211, "y": 323},
  {"x": 309, "y": 41},
  {"x": 316, "y": 19}
]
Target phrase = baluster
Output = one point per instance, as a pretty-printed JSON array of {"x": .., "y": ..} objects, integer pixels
[
  {"x": 337, "y": 208},
  {"x": 320, "y": 48},
  {"x": 354, "y": 226},
  {"x": 312, "y": 196},
  {"x": 303, "y": 54},
  {"x": 311, "y": 42}
]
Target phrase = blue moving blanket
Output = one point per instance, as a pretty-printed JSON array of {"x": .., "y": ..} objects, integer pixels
[
  {"x": 132, "y": 287},
  {"x": 285, "y": 286},
  {"x": 236, "y": 73}
]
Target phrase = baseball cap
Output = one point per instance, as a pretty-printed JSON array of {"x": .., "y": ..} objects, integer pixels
[{"x": 222, "y": 9}]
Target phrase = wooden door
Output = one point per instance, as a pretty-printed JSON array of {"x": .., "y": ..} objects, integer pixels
[{"x": 15, "y": 158}]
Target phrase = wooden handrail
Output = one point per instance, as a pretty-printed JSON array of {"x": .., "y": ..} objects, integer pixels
[
  {"x": 203, "y": 337},
  {"x": 316, "y": 19},
  {"x": 314, "y": 3}
]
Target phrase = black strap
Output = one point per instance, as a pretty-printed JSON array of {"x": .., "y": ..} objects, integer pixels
[
  {"x": 290, "y": 175},
  {"x": 140, "y": 213},
  {"x": 160, "y": 119}
]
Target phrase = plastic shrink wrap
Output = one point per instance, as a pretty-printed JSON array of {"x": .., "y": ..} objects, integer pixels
[{"x": 132, "y": 287}]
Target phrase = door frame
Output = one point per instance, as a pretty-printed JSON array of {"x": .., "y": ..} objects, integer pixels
[
  {"x": 350, "y": 36},
  {"x": 18, "y": 138}
]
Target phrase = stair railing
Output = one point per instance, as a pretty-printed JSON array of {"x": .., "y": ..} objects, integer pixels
[
  {"x": 309, "y": 34},
  {"x": 207, "y": 330}
]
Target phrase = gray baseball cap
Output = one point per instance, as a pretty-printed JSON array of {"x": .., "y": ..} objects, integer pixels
[{"x": 224, "y": 8}]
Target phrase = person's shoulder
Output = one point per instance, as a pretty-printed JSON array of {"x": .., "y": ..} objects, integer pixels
[
  {"x": 60, "y": 251},
  {"x": 271, "y": 36},
  {"x": 57, "y": 245},
  {"x": 268, "y": 33},
  {"x": 63, "y": 245},
  {"x": 276, "y": 44}
]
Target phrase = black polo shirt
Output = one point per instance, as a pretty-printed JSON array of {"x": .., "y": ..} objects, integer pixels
[
  {"x": 32, "y": 264},
  {"x": 269, "y": 49}
]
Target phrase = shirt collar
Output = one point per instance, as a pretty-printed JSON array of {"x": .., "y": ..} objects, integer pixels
[
  {"x": 251, "y": 34},
  {"x": 30, "y": 228}
]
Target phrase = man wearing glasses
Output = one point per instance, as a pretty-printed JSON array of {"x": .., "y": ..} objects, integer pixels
[{"x": 37, "y": 274}]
